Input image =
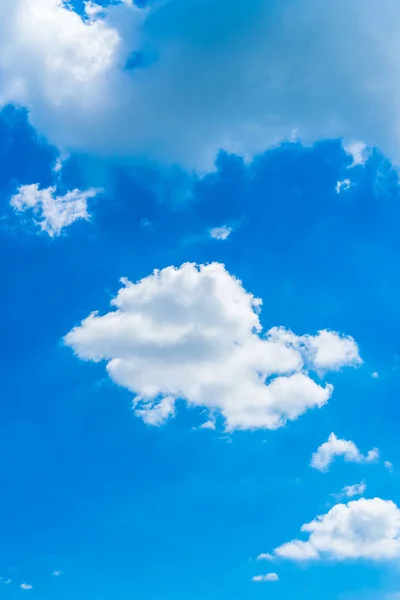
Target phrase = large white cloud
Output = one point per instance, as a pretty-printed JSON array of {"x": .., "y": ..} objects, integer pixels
[
  {"x": 368, "y": 529},
  {"x": 235, "y": 75},
  {"x": 194, "y": 333},
  {"x": 334, "y": 447},
  {"x": 53, "y": 59}
]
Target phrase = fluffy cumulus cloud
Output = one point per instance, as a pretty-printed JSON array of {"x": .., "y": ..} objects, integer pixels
[
  {"x": 368, "y": 529},
  {"x": 334, "y": 447},
  {"x": 194, "y": 333},
  {"x": 54, "y": 60},
  {"x": 52, "y": 212},
  {"x": 231, "y": 75}
]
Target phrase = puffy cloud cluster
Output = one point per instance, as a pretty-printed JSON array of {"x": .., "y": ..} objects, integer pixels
[
  {"x": 52, "y": 212},
  {"x": 194, "y": 333},
  {"x": 334, "y": 447},
  {"x": 368, "y": 529},
  {"x": 246, "y": 82}
]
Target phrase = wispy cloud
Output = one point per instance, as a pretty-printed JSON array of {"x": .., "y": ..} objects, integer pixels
[
  {"x": 220, "y": 233},
  {"x": 267, "y": 577},
  {"x": 26, "y": 586}
]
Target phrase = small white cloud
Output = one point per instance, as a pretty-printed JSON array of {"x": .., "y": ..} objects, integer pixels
[
  {"x": 358, "y": 151},
  {"x": 52, "y": 212},
  {"x": 267, "y": 577},
  {"x": 343, "y": 185},
  {"x": 220, "y": 233},
  {"x": 388, "y": 465},
  {"x": 375, "y": 375},
  {"x": 357, "y": 489},
  {"x": 157, "y": 413},
  {"x": 57, "y": 573},
  {"x": 265, "y": 556},
  {"x": 8, "y": 581},
  {"x": 193, "y": 333},
  {"x": 328, "y": 451},
  {"x": 58, "y": 165},
  {"x": 210, "y": 424},
  {"x": 330, "y": 350},
  {"x": 368, "y": 529},
  {"x": 25, "y": 586}
]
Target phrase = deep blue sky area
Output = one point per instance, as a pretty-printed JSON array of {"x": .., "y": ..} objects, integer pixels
[
  {"x": 126, "y": 510},
  {"x": 96, "y": 503}
]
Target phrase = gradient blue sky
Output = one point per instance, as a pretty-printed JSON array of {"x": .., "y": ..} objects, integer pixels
[{"x": 121, "y": 509}]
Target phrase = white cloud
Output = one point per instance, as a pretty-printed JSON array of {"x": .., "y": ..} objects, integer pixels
[
  {"x": 388, "y": 465},
  {"x": 326, "y": 351},
  {"x": 210, "y": 424},
  {"x": 375, "y": 375},
  {"x": 52, "y": 212},
  {"x": 25, "y": 586},
  {"x": 332, "y": 351},
  {"x": 368, "y": 529},
  {"x": 267, "y": 577},
  {"x": 343, "y": 185},
  {"x": 8, "y": 581},
  {"x": 52, "y": 58},
  {"x": 265, "y": 556},
  {"x": 244, "y": 84},
  {"x": 357, "y": 489},
  {"x": 194, "y": 333},
  {"x": 58, "y": 165},
  {"x": 157, "y": 413},
  {"x": 358, "y": 151},
  {"x": 57, "y": 573},
  {"x": 220, "y": 233},
  {"x": 329, "y": 450},
  {"x": 93, "y": 10}
]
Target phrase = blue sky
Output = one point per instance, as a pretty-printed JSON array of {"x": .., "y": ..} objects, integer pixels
[{"x": 157, "y": 448}]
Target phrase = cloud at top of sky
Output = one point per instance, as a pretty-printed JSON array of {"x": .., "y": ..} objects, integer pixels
[
  {"x": 238, "y": 76},
  {"x": 194, "y": 333}
]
